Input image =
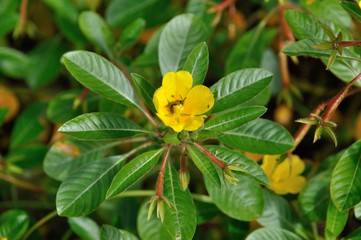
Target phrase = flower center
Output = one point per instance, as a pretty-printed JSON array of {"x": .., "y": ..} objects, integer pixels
[{"x": 176, "y": 106}]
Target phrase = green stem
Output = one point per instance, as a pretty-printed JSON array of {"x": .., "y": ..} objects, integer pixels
[{"x": 40, "y": 223}]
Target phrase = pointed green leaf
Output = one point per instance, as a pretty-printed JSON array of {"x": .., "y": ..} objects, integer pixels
[
  {"x": 109, "y": 232},
  {"x": 131, "y": 34},
  {"x": 272, "y": 234},
  {"x": 8, "y": 22},
  {"x": 335, "y": 222},
  {"x": 85, "y": 228},
  {"x": 85, "y": 188},
  {"x": 28, "y": 157},
  {"x": 100, "y": 126},
  {"x": 204, "y": 164},
  {"x": 68, "y": 154},
  {"x": 249, "y": 167},
  {"x": 242, "y": 201},
  {"x": 13, "y": 224},
  {"x": 180, "y": 220},
  {"x": 238, "y": 87},
  {"x": 197, "y": 63},
  {"x": 352, "y": 8},
  {"x": 260, "y": 136},
  {"x": 177, "y": 40},
  {"x": 96, "y": 31},
  {"x": 133, "y": 171},
  {"x": 346, "y": 178},
  {"x": 14, "y": 63},
  {"x": 100, "y": 76},
  {"x": 231, "y": 120},
  {"x": 145, "y": 89},
  {"x": 277, "y": 212}
]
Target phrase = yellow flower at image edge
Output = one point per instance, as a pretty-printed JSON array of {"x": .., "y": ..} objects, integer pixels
[
  {"x": 180, "y": 106},
  {"x": 285, "y": 177}
]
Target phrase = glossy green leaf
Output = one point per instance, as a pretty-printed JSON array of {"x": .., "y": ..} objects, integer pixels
[
  {"x": 238, "y": 87},
  {"x": 346, "y": 178},
  {"x": 197, "y": 63},
  {"x": 29, "y": 125},
  {"x": 249, "y": 167},
  {"x": 14, "y": 63},
  {"x": 68, "y": 154},
  {"x": 152, "y": 229},
  {"x": 231, "y": 120},
  {"x": 109, "y": 232},
  {"x": 204, "y": 164},
  {"x": 277, "y": 212},
  {"x": 131, "y": 34},
  {"x": 85, "y": 227},
  {"x": 335, "y": 222},
  {"x": 352, "y": 8},
  {"x": 145, "y": 89},
  {"x": 8, "y": 22},
  {"x": 272, "y": 234},
  {"x": 96, "y": 31},
  {"x": 149, "y": 58},
  {"x": 100, "y": 126},
  {"x": 133, "y": 171},
  {"x": 177, "y": 40},
  {"x": 28, "y": 157},
  {"x": 45, "y": 62},
  {"x": 260, "y": 136},
  {"x": 180, "y": 220},
  {"x": 64, "y": 9},
  {"x": 315, "y": 197},
  {"x": 101, "y": 76},
  {"x": 86, "y": 186},
  {"x": 242, "y": 201},
  {"x": 13, "y": 224},
  {"x": 249, "y": 48}
]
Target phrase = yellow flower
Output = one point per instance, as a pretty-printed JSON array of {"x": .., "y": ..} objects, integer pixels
[
  {"x": 180, "y": 106},
  {"x": 285, "y": 177},
  {"x": 359, "y": 4}
]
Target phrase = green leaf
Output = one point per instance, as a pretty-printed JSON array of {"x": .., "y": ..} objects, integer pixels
[
  {"x": 14, "y": 63},
  {"x": 352, "y": 8},
  {"x": 260, "y": 136},
  {"x": 180, "y": 220},
  {"x": 28, "y": 157},
  {"x": 197, "y": 63},
  {"x": 86, "y": 186},
  {"x": 272, "y": 234},
  {"x": 96, "y": 31},
  {"x": 63, "y": 8},
  {"x": 205, "y": 212},
  {"x": 100, "y": 126},
  {"x": 177, "y": 40},
  {"x": 8, "y": 22},
  {"x": 152, "y": 229},
  {"x": 238, "y": 87},
  {"x": 231, "y": 120},
  {"x": 68, "y": 154},
  {"x": 45, "y": 62},
  {"x": 277, "y": 212},
  {"x": 204, "y": 164},
  {"x": 133, "y": 171},
  {"x": 249, "y": 167},
  {"x": 85, "y": 228},
  {"x": 100, "y": 76},
  {"x": 357, "y": 211},
  {"x": 346, "y": 178},
  {"x": 149, "y": 58},
  {"x": 315, "y": 197},
  {"x": 106, "y": 105},
  {"x": 29, "y": 125},
  {"x": 145, "y": 89},
  {"x": 3, "y": 112},
  {"x": 109, "y": 232},
  {"x": 13, "y": 224},
  {"x": 249, "y": 48},
  {"x": 242, "y": 201},
  {"x": 335, "y": 222},
  {"x": 354, "y": 235},
  {"x": 131, "y": 34}
]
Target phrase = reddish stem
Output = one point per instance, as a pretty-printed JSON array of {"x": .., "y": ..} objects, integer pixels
[
  {"x": 160, "y": 180},
  {"x": 350, "y": 43},
  {"x": 214, "y": 159},
  {"x": 23, "y": 11},
  {"x": 220, "y": 7},
  {"x": 183, "y": 165},
  {"x": 83, "y": 94}
]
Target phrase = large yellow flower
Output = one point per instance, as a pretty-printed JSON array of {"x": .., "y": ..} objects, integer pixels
[
  {"x": 285, "y": 177},
  {"x": 180, "y": 106}
]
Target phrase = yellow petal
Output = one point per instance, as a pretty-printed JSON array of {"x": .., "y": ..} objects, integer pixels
[
  {"x": 177, "y": 85},
  {"x": 172, "y": 121},
  {"x": 293, "y": 185},
  {"x": 195, "y": 123},
  {"x": 269, "y": 164},
  {"x": 199, "y": 100},
  {"x": 288, "y": 168},
  {"x": 160, "y": 101}
]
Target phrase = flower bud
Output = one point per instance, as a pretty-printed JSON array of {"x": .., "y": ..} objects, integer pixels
[{"x": 184, "y": 179}]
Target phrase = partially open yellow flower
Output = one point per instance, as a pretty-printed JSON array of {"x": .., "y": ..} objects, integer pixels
[
  {"x": 180, "y": 106},
  {"x": 285, "y": 177}
]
